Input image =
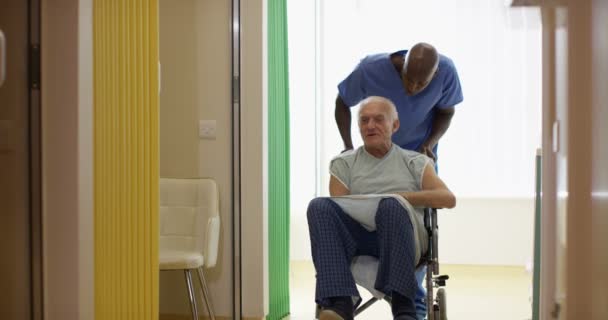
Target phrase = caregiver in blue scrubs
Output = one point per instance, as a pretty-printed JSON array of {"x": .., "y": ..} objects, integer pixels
[{"x": 425, "y": 88}]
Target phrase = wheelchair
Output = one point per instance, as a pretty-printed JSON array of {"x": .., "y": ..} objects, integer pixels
[{"x": 364, "y": 269}]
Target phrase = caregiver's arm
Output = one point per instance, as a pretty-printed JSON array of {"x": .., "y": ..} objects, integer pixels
[
  {"x": 337, "y": 188},
  {"x": 434, "y": 194}
]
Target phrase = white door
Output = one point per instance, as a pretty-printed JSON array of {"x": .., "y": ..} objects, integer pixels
[
  {"x": 599, "y": 168},
  {"x": 575, "y": 178}
]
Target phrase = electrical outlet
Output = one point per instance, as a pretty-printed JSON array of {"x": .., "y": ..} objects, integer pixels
[{"x": 207, "y": 129}]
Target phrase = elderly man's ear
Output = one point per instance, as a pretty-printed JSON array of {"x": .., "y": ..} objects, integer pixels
[{"x": 396, "y": 124}]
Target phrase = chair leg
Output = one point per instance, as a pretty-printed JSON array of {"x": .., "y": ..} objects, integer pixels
[
  {"x": 191, "y": 294},
  {"x": 201, "y": 278}
]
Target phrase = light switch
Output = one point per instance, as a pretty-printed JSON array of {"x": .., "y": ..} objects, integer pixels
[{"x": 206, "y": 129}]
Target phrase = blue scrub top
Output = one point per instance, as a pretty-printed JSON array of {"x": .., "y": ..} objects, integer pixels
[{"x": 376, "y": 76}]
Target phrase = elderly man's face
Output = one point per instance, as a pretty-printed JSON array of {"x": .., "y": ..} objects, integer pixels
[{"x": 376, "y": 124}]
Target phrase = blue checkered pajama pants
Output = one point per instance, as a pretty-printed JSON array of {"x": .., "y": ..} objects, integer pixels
[{"x": 336, "y": 239}]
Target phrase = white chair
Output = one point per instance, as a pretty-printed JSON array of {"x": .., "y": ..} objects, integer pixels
[{"x": 189, "y": 231}]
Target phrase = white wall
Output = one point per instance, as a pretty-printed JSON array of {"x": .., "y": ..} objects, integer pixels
[
  {"x": 487, "y": 232},
  {"x": 213, "y": 65},
  {"x": 195, "y": 60}
]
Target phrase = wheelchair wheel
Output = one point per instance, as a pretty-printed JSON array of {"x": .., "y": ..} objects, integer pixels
[{"x": 442, "y": 304}]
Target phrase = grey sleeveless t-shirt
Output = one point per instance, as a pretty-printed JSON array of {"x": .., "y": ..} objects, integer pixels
[{"x": 370, "y": 179}]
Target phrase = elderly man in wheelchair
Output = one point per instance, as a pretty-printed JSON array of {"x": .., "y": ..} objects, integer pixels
[{"x": 378, "y": 195}]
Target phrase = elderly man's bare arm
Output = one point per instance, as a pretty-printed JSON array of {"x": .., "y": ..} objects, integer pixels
[
  {"x": 337, "y": 188},
  {"x": 434, "y": 194}
]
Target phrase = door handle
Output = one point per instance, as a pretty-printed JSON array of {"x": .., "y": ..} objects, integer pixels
[{"x": 2, "y": 58}]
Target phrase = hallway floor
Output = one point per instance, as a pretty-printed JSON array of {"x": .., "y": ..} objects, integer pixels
[{"x": 473, "y": 293}]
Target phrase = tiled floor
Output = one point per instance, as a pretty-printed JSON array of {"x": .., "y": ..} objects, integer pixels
[{"x": 473, "y": 293}]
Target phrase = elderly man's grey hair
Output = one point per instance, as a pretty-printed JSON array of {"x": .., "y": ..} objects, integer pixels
[{"x": 392, "y": 110}]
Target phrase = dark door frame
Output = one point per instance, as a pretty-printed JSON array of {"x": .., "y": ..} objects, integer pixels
[
  {"x": 35, "y": 157},
  {"x": 237, "y": 285}
]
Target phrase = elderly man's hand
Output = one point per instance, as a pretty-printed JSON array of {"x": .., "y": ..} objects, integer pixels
[{"x": 428, "y": 151}]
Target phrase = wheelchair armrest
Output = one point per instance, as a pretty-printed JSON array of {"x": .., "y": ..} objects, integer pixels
[
  {"x": 430, "y": 223},
  {"x": 430, "y": 214}
]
